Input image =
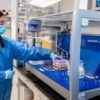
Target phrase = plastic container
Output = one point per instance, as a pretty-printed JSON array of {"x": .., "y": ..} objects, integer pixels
[
  {"x": 81, "y": 70},
  {"x": 60, "y": 64}
]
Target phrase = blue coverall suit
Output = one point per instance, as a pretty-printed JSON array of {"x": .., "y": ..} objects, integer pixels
[{"x": 20, "y": 51}]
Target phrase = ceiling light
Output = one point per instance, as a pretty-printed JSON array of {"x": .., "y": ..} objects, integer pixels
[{"x": 43, "y": 3}]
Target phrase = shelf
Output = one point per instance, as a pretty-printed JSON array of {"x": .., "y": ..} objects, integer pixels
[{"x": 57, "y": 16}]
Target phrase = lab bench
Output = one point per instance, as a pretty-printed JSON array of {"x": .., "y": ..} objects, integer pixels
[{"x": 89, "y": 88}]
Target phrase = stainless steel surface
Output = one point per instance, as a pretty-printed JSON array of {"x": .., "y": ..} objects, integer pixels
[
  {"x": 92, "y": 93},
  {"x": 75, "y": 56}
]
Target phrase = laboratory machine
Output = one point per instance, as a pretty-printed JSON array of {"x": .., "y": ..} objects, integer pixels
[{"x": 78, "y": 74}]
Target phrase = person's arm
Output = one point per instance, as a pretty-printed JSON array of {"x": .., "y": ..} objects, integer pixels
[
  {"x": 22, "y": 51},
  {"x": 2, "y": 75}
]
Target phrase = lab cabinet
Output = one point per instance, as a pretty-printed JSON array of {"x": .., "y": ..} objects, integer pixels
[
  {"x": 25, "y": 93},
  {"x": 27, "y": 89}
]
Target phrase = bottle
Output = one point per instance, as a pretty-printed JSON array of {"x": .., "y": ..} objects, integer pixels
[
  {"x": 81, "y": 96},
  {"x": 81, "y": 70}
]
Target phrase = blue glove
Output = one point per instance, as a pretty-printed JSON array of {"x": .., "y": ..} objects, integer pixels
[
  {"x": 54, "y": 56},
  {"x": 9, "y": 74}
]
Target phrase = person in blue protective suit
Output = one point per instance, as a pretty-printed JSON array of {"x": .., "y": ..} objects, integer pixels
[{"x": 10, "y": 50}]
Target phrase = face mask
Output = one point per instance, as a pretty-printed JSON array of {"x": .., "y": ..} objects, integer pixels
[{"x": 2, "y": 29}]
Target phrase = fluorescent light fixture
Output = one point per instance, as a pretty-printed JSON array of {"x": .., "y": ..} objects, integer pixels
[{"x": 43, "y": 3}]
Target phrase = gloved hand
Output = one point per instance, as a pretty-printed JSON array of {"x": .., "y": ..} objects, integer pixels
[
  {"x": 9, "y": 74},
  {"x": 54, "y": 56}
]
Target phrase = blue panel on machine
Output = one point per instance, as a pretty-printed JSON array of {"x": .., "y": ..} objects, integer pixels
[
  {"x": 91, "y": 62},
  {"x": 90, "y": 54},
  {"x": 63, "y": 42}
]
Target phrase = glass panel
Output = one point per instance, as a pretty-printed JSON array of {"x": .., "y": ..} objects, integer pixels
[
  {"x": 55, "y": 36},
  {"x": 90, "y": 56}
]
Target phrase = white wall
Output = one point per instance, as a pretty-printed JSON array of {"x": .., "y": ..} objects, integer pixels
[
  {"x": 94, "y": 28},
  {"x": 83, "y": 4},
  {"x": 66, "y": 5},
  {"x": 5, "y": 4},
  {"x": 75, "y": 4}
]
